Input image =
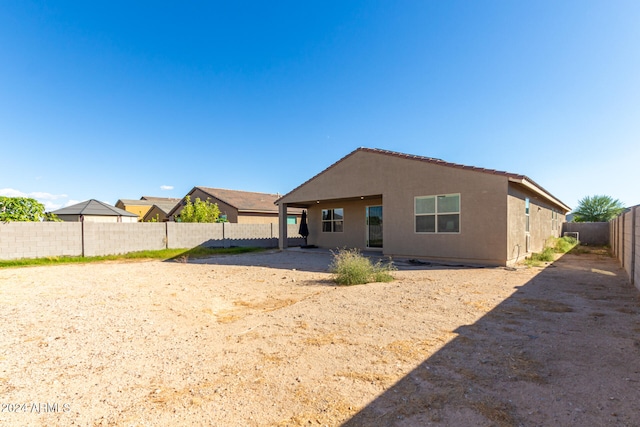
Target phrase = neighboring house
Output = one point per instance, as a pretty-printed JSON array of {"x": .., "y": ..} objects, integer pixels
[
  {"x": 243, "y": 207},
  {"x": 144, "y": 205},
  {"x": 94, "y": 211},
  {"x": 160, "y": 211},
  {"x": 431, "y": 208},
  {"x": 138, "y": 207}
]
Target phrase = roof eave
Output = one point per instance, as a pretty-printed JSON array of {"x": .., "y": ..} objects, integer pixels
[{"x": 538, "y": 190}]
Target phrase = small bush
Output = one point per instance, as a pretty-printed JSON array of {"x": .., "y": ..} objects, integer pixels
[
  {"x": 547, "y": 255},
  {"x": 350, "y": 267},
  {"x": 565, "y": 244},
  {"x": 553, "y": 246}
]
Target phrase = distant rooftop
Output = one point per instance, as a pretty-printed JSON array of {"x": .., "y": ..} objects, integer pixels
[{"x": 93, "y": 207}]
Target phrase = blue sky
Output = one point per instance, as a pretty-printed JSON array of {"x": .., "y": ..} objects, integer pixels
[{"x": 116, "y": 100}]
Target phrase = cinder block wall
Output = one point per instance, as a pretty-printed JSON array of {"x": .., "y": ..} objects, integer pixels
[
  {"x": 189, "y": 235},
  {"x": 102, "y": 238},
  {"x": 590, "y": 233},
  {"x": 625, "y": 242},
  {"x": 44, "y": 239},
  {"x": 293, "y": 238},
  {"x": 243, "y": 234},
  {"x": 40, "y": 239},
  {"x": 636, "y": 260},
  {"x": 253, "y": 231}
]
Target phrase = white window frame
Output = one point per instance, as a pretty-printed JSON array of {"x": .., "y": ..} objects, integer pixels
[
  {"x": 332, "y": 221},
  {"x": 436, "y": 214}
]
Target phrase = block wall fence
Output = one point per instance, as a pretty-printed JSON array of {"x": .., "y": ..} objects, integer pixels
[
  {"x": 625, "y": 242},
  {"x": 50, "y": 239},
  {"x": 589, "y": 233}
]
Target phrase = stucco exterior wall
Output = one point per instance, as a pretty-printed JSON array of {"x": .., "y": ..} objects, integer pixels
[
  {"x": 252, "y": 218},
  {"x": 541, "y": 223},
  {"x": 140, "y": 210},
  {"x": 397, "y": 181},
  {"x": 354, "y": 234},
  {"x": 482, "y": 233},
  {"x": 492, "y": 215}
]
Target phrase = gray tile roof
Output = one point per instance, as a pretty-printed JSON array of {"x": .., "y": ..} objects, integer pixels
[{"x": 93, "y": 207}]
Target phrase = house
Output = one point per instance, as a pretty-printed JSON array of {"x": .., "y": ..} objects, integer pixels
[
  {"x": 160, "y": 210},
  {"x": 420, "y": 207},
  {"x": 243, "y": 207},
  {"x": 138, "y": 207},
  {"x": 94, "y": 211},
  {"x": 145, "y": 204}
]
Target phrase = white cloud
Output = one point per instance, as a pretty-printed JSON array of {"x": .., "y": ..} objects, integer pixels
[
  {"x": 47, "y": 196},
  {"x": 48, "y": 206},
  {"x": 50, "y": 201},
  {"x": 71, "y": 202},
  {"x": 38, "y": 195},
  {"x": 166, "y": 187},
  {"x": 10, "y": 192}
]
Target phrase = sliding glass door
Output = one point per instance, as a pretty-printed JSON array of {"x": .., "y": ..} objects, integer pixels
[{"x": 374, "y": 226}]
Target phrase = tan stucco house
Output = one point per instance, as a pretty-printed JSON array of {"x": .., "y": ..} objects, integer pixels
[
  {"x": 420, "y": 207},
  {"x": 242, "y": 207}
]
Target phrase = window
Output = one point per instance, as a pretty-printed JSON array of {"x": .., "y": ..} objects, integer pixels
[
  {"x": 438, "y": 214},
  {"x": 292, "y": 219},
  {"x": 526, "y": 214},
  {"x": 332, "y": 220}
]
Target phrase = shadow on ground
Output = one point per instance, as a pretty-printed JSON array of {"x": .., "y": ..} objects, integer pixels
[
  {"x": 317, "y": 261},
  {"x": 312, "y": 260},
  {"x": 562, "y": 350}
]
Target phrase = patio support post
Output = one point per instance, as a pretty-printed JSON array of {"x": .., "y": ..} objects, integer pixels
[{"x": 282, "y": 224}]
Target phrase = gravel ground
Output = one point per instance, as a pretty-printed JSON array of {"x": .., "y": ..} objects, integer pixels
[{"x": 266, "y": 339}]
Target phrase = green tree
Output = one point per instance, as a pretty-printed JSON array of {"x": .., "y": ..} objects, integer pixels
[
  {"x": 597, "y": 209},
  {"x": 51, "y": 217},
  {"x": 20, "y": 209},
  {"x": 199, "y": 211}
]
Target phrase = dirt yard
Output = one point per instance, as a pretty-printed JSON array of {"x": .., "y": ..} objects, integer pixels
[{"x": 267, "y": 340}]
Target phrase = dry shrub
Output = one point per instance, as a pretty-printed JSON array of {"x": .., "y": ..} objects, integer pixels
[{"x": 350, "y": 267}]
